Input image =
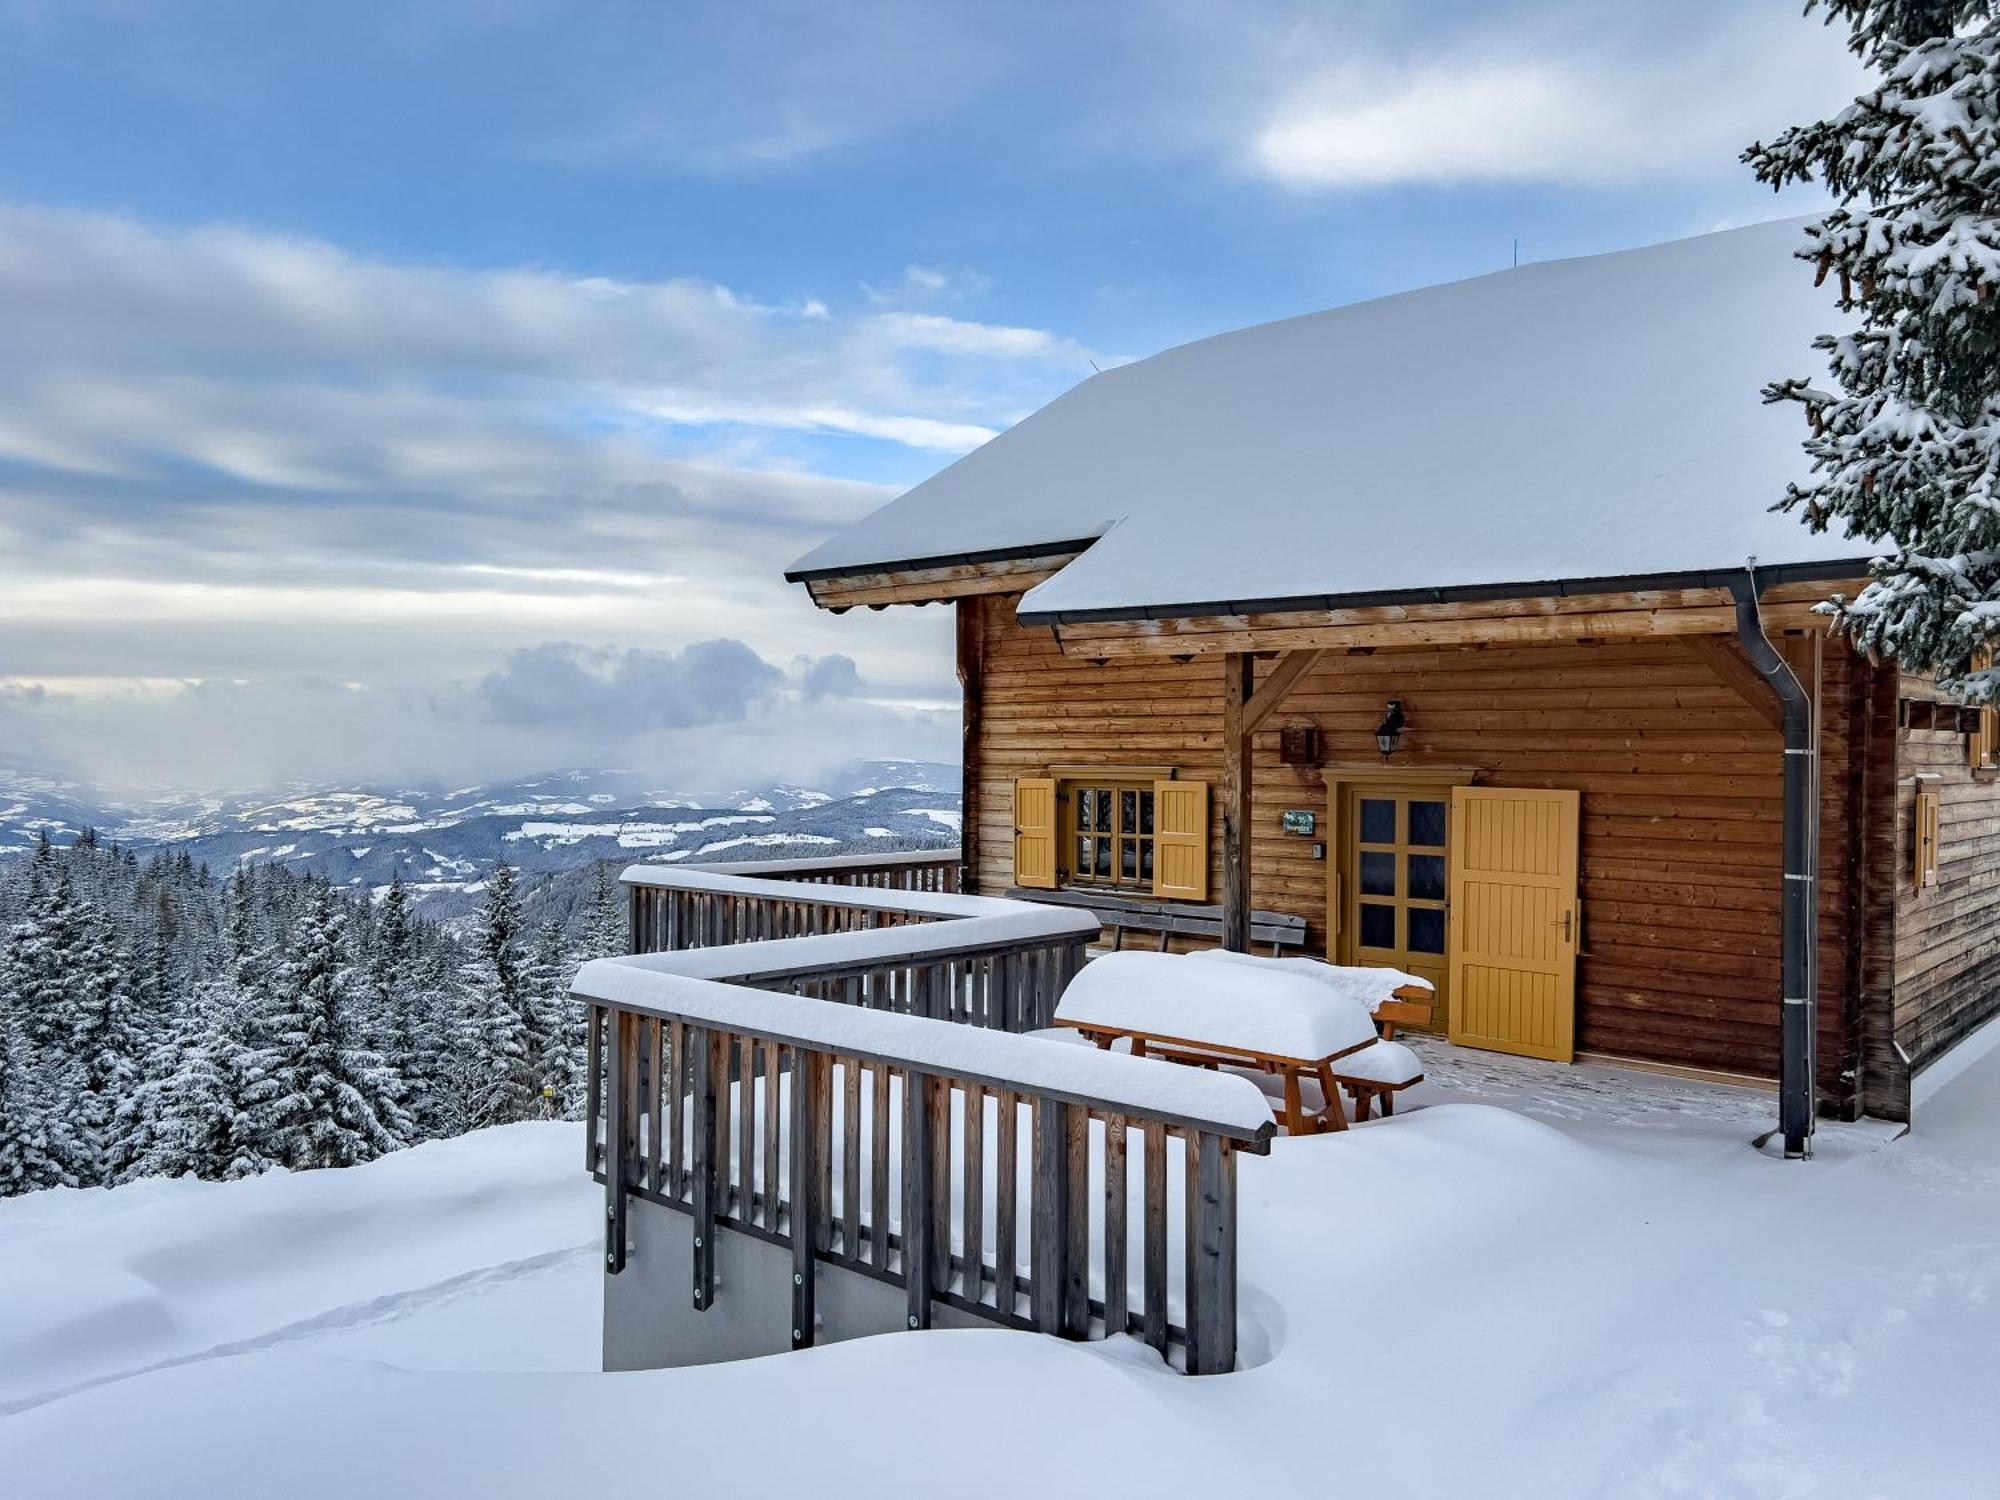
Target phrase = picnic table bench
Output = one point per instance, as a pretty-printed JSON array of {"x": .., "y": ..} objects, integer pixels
[{"x": 1277, "y": 1021}]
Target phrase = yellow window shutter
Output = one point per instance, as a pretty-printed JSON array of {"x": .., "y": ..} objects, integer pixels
[
  {"x": 1035, "y": 832},
  {"x": 1180, "y": 840},
  {"x": 1984, "y": 744}
]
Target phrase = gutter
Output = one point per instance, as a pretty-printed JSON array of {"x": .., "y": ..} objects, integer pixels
[
  {"x": 1022, "y": 553},
  {"x": 1798, "y": 1034}
]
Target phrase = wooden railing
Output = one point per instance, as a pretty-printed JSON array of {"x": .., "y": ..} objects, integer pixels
[
  {"x": 986, "y": 962},
  {"x": 893, "y": 1146}
]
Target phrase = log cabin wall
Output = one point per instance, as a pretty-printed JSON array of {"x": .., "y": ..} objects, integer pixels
[
  {"x": 1681, "y": 805},
  {"x": 1946, "y": 937}
]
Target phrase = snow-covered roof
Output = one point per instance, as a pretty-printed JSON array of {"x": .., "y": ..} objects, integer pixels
[{"x": 1575, "y": 419}]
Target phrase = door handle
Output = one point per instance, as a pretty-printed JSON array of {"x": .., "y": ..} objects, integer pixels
[{"x": 1567, "y": 921}]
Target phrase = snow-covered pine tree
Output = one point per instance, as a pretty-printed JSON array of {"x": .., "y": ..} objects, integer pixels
[
  {"x": 558, "y": 1029},
  {"x": 496, "y": 1061},
  {"x": 313, "y": 1096},
  {"x": 604, "y": 917},
  {"x": 194, "y": 1118},
  {"x": 1907, "y": 445}
]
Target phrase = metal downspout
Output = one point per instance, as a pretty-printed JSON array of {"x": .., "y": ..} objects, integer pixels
[{"x": 1799, "y": 1026}]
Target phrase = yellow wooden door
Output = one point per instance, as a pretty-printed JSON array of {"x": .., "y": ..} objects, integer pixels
[{"x": 1515, "y": 924}]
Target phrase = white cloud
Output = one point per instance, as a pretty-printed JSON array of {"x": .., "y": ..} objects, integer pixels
[{"x": 1536, "y": 104}]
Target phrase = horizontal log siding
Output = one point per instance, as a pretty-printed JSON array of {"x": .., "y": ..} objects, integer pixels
[
  {"x": 1681, "y": 784},
  {"x": 1947, "y": 939}
]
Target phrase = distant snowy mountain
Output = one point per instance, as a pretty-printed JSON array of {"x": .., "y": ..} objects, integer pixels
[{"x": 445, "y": 842}]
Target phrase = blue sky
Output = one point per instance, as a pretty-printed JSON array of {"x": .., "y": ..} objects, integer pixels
[{"x": 366, "y": 352}]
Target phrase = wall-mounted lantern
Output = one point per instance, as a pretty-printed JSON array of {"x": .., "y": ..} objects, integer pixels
[{"x": 1389, "y": 733}]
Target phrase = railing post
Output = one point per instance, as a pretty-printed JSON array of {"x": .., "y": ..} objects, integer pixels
[
  {"x": 1060, "y": 1221},
  {"x": 917, "y": 1197},
  {"x": 1211, "y": 1255},
  {"x": 617, "y": 1141},
  {"x": 808, "y": 1078},
  {"x": 702, "y": 1045}
]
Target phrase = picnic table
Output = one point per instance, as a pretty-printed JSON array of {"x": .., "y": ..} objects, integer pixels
[{"x": 1274, "y": 1016}]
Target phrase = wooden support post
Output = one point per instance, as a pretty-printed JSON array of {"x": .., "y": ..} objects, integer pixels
[
  {"x": 593, "y": 1085},
  {"x": 1238, "y": 682},
  {"x": 1055, "y": 1207},
  {"x": 624, "y": 1063},
  {"x": 972, "y": 685},
  {"x": 1211, "y": 1255},
  {"x": 808, "y": 1078},
  {"x": 704, "y": 1046},
  {"x": 917, "y": 1198}
]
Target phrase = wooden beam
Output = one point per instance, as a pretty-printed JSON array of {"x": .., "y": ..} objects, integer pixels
[
  {"x": 1144, "y": 638},
  {"x": 1239, "y": 681},
  {"x": 1284, "y": 677},
  {"x": 1721, "y": 656},
  {"x": 972, "y": 685},
  {"x": 936, "y": 585}
]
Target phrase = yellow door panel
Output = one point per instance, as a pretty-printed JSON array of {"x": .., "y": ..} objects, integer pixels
[{"x": 1515, "y": 923}]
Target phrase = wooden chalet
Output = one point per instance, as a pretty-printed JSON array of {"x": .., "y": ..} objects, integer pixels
[{"x": 1453, "y": 631}]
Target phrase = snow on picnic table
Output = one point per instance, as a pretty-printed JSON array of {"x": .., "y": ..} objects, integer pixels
[{"x": 1596, "y": 1289}]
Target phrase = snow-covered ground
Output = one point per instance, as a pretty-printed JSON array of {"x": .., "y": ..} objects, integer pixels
[{"x": 1594, "y": 1288}]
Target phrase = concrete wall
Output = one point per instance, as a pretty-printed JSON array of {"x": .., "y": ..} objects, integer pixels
[{"x": 650, "y": 1320}]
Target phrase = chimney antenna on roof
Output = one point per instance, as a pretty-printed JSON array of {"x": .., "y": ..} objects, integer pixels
[
  {"x": 1093, "y": 364},
  {"x": 1517, "y": 252}
]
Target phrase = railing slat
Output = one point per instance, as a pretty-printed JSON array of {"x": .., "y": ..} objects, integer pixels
[
  {"x": 850, "y": 1156},
  {"x": 772, "y": 1114},
  {"x": 706, "y": 1053},
  {"x": 807, "y": 1074},
  {"x": 879, "y": 1167},
  {"x": 1117, "y": 1290},
  {"x": 974, "y": 1178},
  {"x": 677, "y": 1089},
  {"x": 1006, "y": 1196},
  {"x": 917, "y": 1197},
  {"x": 1155, "y": 1329},
  {"x": 1211, "y": 1256}
]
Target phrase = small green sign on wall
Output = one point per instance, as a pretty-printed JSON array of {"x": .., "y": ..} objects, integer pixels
[{"x": 1298, "y": 820}]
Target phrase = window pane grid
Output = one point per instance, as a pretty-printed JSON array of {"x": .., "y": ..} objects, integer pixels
[{"x": 1113, "y": 834}]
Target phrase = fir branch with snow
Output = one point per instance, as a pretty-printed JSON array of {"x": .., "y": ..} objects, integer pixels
[{"x": 1906, "y": 446}]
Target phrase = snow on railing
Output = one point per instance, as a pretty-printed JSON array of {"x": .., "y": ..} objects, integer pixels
[
  {"x": 978, "y": 959},
  {"x": 890, "y": 1145},
  {"x": 907, "y": 870}
]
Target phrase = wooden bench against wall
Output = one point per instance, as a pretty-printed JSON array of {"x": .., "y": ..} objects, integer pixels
[{"x": 1170, "y": 919}]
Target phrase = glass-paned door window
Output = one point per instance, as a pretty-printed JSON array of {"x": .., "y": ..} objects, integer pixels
[
  {"x": 1395, "y": 879},
  {"x": 1110, "y": 839}
]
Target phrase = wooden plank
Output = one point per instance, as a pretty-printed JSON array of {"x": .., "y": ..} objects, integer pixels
[
  {"x": 705, "y": 1050},
  {"x": 917, "y": 1199},
  {"x": 808, "y": 1073},
  {"x": 972, "y": 685},
  {"x": 1050, "y": 1202},
  {"x": 1722, "y": 656},
  {"x": 1505, "y": 630},
  {"x": 677, "y": 1086},
  {"x": 617, "y": 1163},
  {"x": 1211, "y": 1256},
  {"x": 593, "y": 1075},
  {"x": 973, "y": 1182},
  {"x": 746, "y": 1150},
  {"x": 1006, "y": 1196},
  {"x": 850, "y": 1156},
  {"x": 773, "y": 1112},
  {"x": 1277, "y": 686},
  {"x": 1117, "y": 1289},
  {"x": 1238, "y": 681},
  {"x": 655, "y": 1103},
  {"x": 1154, "y": 1328},
  {"x": 878, "y": 1219},
  {"x": 724, "y": 1159},
  {"x": 938, "y": 1105}
]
